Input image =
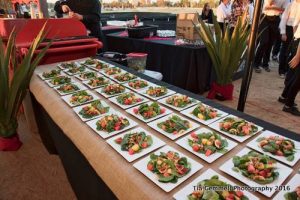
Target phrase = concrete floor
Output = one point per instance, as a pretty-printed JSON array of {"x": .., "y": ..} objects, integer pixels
[{"x": 31, "y": 173}]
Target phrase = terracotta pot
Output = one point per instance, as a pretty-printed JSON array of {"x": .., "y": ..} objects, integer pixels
[
  {"x": 12, "y": 143},
  {"x": 221, "y": 92}
]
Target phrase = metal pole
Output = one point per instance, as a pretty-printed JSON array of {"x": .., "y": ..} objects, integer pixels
[{"x": 251, "y": 52}]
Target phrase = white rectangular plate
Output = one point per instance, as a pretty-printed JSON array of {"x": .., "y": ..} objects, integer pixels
[
  {"x": 59, "y": 65},
  {"x": 78, "y": 109},
  {"x": 163, "y": 101},
  {"x": 170, "y": 135},
  {"x": 293, "y": 184},
  {"x": 67, "y": 99},
  {"x": 143, "y": 92},
  {"x": 99, "y": 90},
  {"x": 40, "y": 74},
  {"x": 103, "y": 72},
  {"x": 122, "y": 82},
  {"x": 167, "y": 187},
  {"x": 216, "y": 127},
  {"x": 82, "y": 79},
  {"x": 183, "y": 142},
  {"x": 48, "y": 81},
  {"x": 188, "y": 113},
  {"x": 283, "y": 170},
  {"x": 81, "y": 87},
  {"x": 115, "y": 101},
  {"x": 255, "y": 145},
  {"x": 140, "y": 117},
  {"x": 72, "y": 74},
  {"x": 184, "y": 192},
  {"x": 141, "y": 89},
  {"x": 100, "y": 75},
  {"x": 104, "y": 134},
  {"x": 157, "y": 143},
  {"x": 93, "y": 67}
]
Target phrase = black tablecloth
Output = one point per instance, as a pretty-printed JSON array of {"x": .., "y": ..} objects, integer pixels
[
  {"x": 187, "y": 67},
  {"x": 82, "y": 177}
]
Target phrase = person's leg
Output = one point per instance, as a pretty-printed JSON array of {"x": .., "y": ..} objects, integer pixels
[
  {"x": 293, "y": 91},
  {"x": 283, "y": 68},
  {"x": 276, "y": 49},
  {"x": 272, "y": 37},
  {"x": 263, "y": 41},
  {"x": 289, "y": 79}
]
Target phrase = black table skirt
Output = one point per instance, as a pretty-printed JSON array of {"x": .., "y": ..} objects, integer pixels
[
  {"x": 186, "y": 67},
  {"x": 82, "y": 177}
]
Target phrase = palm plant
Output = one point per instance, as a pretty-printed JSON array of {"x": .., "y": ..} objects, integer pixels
[
  {"x": 225, "y": 48},
  {"x": 13, "y": 86}
]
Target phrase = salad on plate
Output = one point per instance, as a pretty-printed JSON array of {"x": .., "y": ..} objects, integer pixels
[
  {"x": 51, "y": 74},
  {"x": 67, "y": 65},
  {"x": 278, "y": 146},
  {"x": 156, "y": 91},
  {"x": 148, "y": 111},
  {"x": 93, "y": 109},
  {"x": 237, "y": 126},
  {"x": 113, "y": 89},
  {"x": 134, "y": 142},
  {"x": 76, "y": 69},
  {"x": 226, "y": 194},
  {"x": 168, "y": 166},
  {"x": 128, "y": 99},
  {"x": 174, "y": 125},
  {"x": 124, "y": 77},
  {"x": 208, "y": 143},
  {"x": 96, "y": 64},
  {"x": 204, "y": 112},
  {"x": 60, "y": 80},
  {"x": 111, "y": 123},
  {"x": 87, "y": 75},
  {"x": 98, "y": 82},
  {"x": 293, "y": 195},
  {"x": 256, "y": 167},
  {"x": 179, "y": 101},
  {"x": 138, "y": 84},
  {"x": 112, "y": 71},
  {"x": 68, "y": 88},
  {"x": 80, "y": 97}
]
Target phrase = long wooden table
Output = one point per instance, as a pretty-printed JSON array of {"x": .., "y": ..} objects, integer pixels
[{"x": 94, "y": 169}]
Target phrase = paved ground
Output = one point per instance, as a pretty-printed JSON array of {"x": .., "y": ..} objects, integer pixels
[
  {"x": 31, "y": 173},
  {"x": 262, "y": 101}
]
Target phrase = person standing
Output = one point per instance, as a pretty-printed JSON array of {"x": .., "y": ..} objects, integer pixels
[
  {"x": 223, "y": 13},
  {"x": 290, "y": 16},
  {"x": 86, "y": 11},
  {"x": 292, "y": 85},
  {"x": 250, "y": 10},
  {"x": 24, "y": 10},
  {"x": 269, "y": 32},
  {"x": 207, "y": 14},
  {"x": 238, "y": 8}
]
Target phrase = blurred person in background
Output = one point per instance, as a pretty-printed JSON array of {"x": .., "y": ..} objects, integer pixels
[
  {"x": 24, "y": 10},
  {"x": 290, "y": 16},
  {"x": 250, "y": 10},
  {"x": 223, "y": 13},
  {"x": 238, "y": 8},
  {"x": 86, "y": 11},
  {"x": 207, "y": 14},
  {"x": 58, "y": 14},
  {"x": 292, "y": 81},
  {"x": 269, "y": 32}
]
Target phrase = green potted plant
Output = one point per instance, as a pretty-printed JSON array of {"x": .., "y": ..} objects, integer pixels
[
  {"x": 14, "y": 83},
  {"x": 225, "y": 50}
]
